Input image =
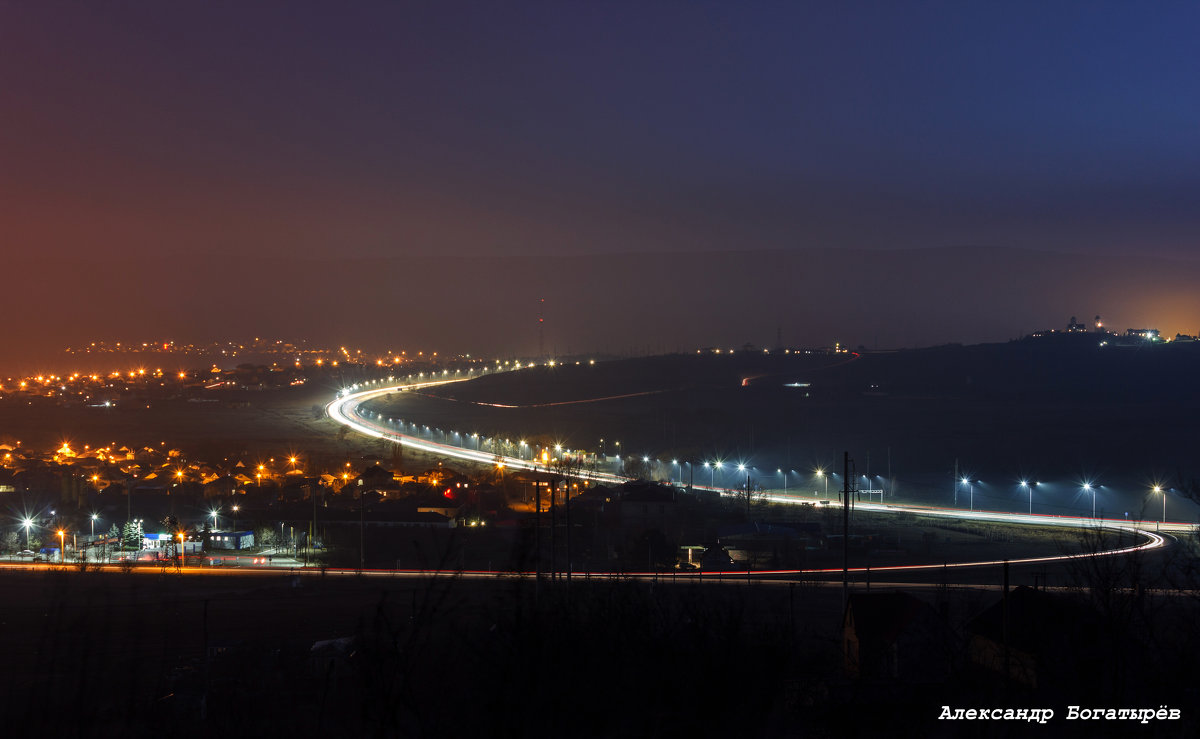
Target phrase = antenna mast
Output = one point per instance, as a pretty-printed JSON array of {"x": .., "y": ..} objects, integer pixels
[{"x": 541, "y": 329}]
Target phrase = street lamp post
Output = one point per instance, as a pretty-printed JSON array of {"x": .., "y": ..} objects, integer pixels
[
  {"x": 62, "y": 547},
  {"x": 27, "y": 523},
  {"x": 93, "y": 517},
  {"x": 1025, "y": 484},
  {"x": 1088, "y": 487},
  {"x": 1158, "y": 489},
  {"x": 971, "y": 486}
]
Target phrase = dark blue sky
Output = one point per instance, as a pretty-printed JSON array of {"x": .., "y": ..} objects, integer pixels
[{"x": 384, "y": 128}]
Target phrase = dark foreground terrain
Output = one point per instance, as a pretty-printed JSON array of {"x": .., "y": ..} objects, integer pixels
[{"x": 134, "y": 654}]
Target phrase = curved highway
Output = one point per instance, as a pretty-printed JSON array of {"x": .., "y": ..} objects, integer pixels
[{"x": 348, "y": 409}]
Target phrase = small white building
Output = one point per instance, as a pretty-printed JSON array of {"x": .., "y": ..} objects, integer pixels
[{"x": 231, "y": 540}]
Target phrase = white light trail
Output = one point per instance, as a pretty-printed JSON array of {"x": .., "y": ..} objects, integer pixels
[{"x": 344, "y": 410}]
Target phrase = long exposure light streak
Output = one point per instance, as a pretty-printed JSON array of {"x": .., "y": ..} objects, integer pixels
[{"x": 345, "y": 409}]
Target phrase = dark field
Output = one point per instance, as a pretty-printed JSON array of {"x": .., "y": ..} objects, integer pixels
[
  {"x": 118, "y": 655},
  {"x": 1056, "y": 412},
  {"x": 245, "y": 424}
]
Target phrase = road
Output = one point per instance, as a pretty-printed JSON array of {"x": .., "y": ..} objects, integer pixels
[{"x": 348, "y": 409}]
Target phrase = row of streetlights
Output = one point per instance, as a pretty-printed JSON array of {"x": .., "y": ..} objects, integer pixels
[
  {"x": 713, "y": 466},
  {"x": 716, "y": 465},
  {"x": 27, "y": 523},
  {"x": 1086, "y": 487}
]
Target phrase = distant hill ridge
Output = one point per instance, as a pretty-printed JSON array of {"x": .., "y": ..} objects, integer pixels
[{"x": 615, "y": 303}]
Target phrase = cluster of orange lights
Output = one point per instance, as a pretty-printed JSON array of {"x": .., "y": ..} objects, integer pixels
[
  {"x": 391, "y": 358},
  {"x": 141, "y": 372}
]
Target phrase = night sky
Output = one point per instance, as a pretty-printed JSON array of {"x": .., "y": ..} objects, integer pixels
[{"x": 238, "y": 151}]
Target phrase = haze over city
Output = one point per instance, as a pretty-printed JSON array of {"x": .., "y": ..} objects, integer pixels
[{"x": 722, "y": 174}]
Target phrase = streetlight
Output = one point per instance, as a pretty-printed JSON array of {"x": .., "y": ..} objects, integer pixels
[
  {"x": 94, "y": 517},
  {"x": 821, "y": 473},
  {"x": 62, "y": 547},
  {"x": 1158, "y": 489},
  {"x": 1087, "y": 486},
  {"x": 971, "y": 485},
  {"x": 1025, "y": 484},
  {"x": 27, "y": 522}
]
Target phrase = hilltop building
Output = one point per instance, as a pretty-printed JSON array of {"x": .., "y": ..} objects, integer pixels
[{"x": 1148, "y": 334}]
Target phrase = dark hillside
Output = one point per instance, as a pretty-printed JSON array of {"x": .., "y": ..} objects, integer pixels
[{"x": 1059, "y": 408}]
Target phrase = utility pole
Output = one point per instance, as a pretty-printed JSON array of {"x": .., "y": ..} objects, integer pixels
[
  {"x": 537, "y": 537},
  {"x": 312, "y": 536},
  {"x": 1004, "y": 625},
  {"x": 542, "y": 332},
  {"x": 889, "y": 474},
  {"x": 869, "y": 485},
  {"x": 553, "y": 529},
  {"x": 568, "y": 528},
  {"x": 846, "y": 486}
]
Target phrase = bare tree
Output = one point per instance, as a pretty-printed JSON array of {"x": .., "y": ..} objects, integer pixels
[{"x": 635, "y": 469}]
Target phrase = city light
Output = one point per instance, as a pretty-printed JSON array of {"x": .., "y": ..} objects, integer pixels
[{"x": 1159, "y": 489}]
